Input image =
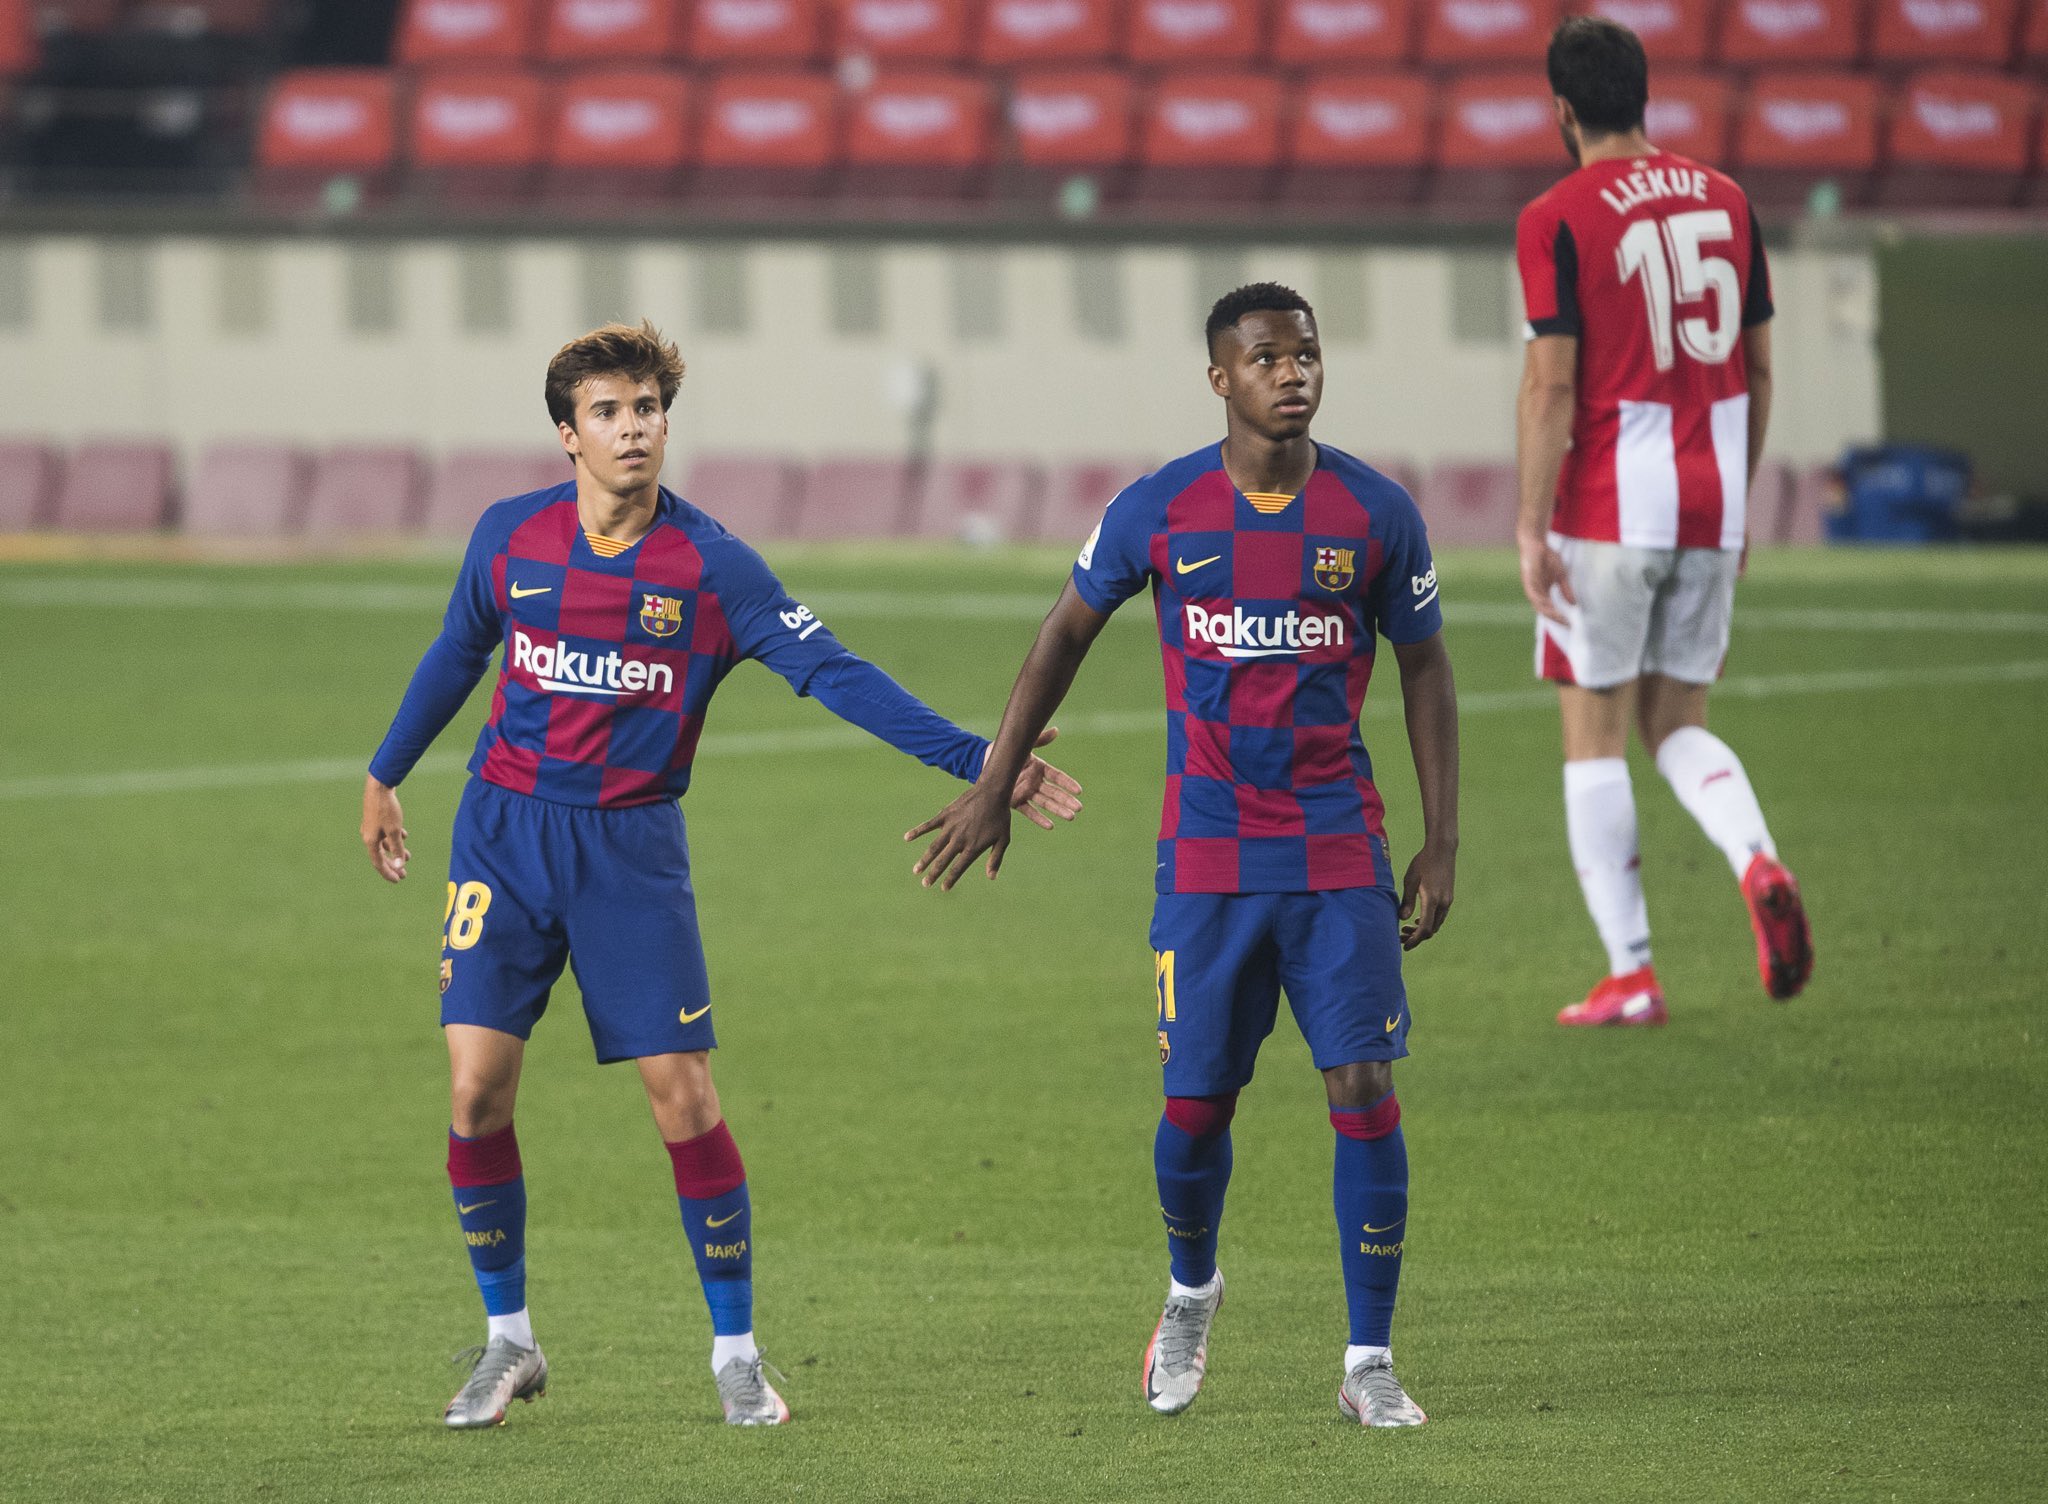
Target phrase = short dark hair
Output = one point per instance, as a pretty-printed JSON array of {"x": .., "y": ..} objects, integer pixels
[
  {"x": 1597, "y": 66},
  {"x": 638, "y": 354},
  {"x": 1253, "y": 297}
]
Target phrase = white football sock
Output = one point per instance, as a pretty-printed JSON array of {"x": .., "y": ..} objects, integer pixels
[
  {"x": 517, "y": 1328},
  {"x": 1600, "y": 820},
  {"x": 1707, "y": 776},
  {"x": 1355, "y": 1355},
  {"x": 1175, "y": 1290},
  {"x": 725, "y": 1349}
]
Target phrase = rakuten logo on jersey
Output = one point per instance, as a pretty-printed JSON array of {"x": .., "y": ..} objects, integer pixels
[
  {"x": 1238, "y": 633},
  {"x": 564, "y": 670}
]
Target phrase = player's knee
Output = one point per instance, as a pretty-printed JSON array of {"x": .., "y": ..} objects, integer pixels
[
  {"x": 477, "y": 1106},
  {"x": 1358, "y": 1084},
  {"x": 1202, "y": 1117}
]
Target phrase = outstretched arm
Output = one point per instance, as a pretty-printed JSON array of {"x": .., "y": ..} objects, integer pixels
[
  {"x": 979, "y": 820},
  {"x": 1430, "y": 700}
]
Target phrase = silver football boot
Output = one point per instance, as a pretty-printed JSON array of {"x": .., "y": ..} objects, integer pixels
[
  {"x": 501, "y": 1371},
  {"x": 1372, "y": 1396},
  {"x": 749, "y": 1399},
  {"x": 1178, "y": 1354}
]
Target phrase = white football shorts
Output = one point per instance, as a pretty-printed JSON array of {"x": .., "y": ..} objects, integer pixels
[{"x": 1640, "y": 611}]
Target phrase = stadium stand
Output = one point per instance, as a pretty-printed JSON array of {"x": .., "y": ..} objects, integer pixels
[
  {"x": 1462, "y": 32},
  {"x": 2034, "y": 38},
  {"x": 1076, "y": 493},
  {"x": 18, "y": 50},
  {"x": 904, "y": 31},
  {"x": 1468, "y": 502},
  {"x": 123, "y": 487},
  {"x": 476, "y": 135},
  {"x": 979, "y": 501},
  {"x": 1214, "y": 33},
  {"x": 1209, "y": 136},
  {"x": 755, "y": 495},
  {"x": 757, "y": 31},
  {"x": 465, "y": 481},
  {"x": 1017, "y": 32},
  {"x": 1357, "y": 142},
  {"x": 28, "y": 484},
  {"x": 620, "y": 135},
  {"x": 466, "y": 31},
  {"x": 1066, "y": 120},
  {"x": 636, "y": 32},
  {"x": 1791, "y": 32},
  {"x": 1960, "y": 137},
  {"x": 1673, "y": 31},
  {"x": 249, "y": 491},
  {"x": 1333, "y": 33},
  {"x": 1944, "y": 31},
  {"x": 201, "y": 18},
  {"x": 327, "y": 121},
  {"x": 768, "y": 134},
  {"x": 364, "y": 488},
  {"x": 856, "y": 498},
  {"x": 1499, "y": 144},
  {"x": 1801, "y": 129},
  {"x": 1691, "y": 114},
  {"x": 919, "y": 135}
]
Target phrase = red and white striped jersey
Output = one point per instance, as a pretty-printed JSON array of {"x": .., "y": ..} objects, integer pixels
[{"x": 1656, "y": 265}]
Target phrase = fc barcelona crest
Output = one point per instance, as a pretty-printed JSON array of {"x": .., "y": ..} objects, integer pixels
[
  {"x": 1335, "y": 567},
  {"x": 660, "y": 616}
]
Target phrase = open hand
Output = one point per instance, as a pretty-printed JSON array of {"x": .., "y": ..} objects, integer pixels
[
  {"x": 1426, "y": 894},
  {"x": 383, "y": 831},
  {"x": 979, "y": 820},
  {"x": 1543, "y": 570}
]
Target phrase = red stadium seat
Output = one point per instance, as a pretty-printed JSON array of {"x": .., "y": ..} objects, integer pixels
[
  {"x": 1960, "y": 137},
  {"x": 1945, "y": 31},
  {"x": 466, "y": 31},
  {"x": 919, "y": 31},
  {"x": 18, "y": 50},
  {"x": 1359, "y": 141},
  {"x": 856, "y": 498},
  {"x": 364, "y": 488},
  {"x": 1320, "y": 33},
  {"x": 248, "y": 491},
  {"x": 1469, "y": 503},
  {"x": 1689, "y": 113},
  {"x": 1799, "y": 129},
  {"x": 1791, "y": 31},
  {"x": 478, "y": 133},
  {"x": 762, "y": 31},
  {"x": 1499, "y": 146},
  {"x": 469, "y": 480},
  {"x": 1166, "y": 32},
  {"x": 1076, "y": 493},
  {"x": 1210, "y": 137},
  {"x": 1072, "y": 118},
  {"x": 754, "y": 495},
  {"x": 921, "y": 134},
  {"x": 979, "y": 501},
  {"x": 28, "y": 484},
  {"x": 328, "y": 120},
  {"x": 2034, "y": 35},
  {"x": 618, "y": 135},
  {"x": 1487, "y": 31},
  {"x": 117, "y": 488},
  {"x": 616, "y": 31},
  {"x": 1047, "y": 31},
  {"x": 1673, "y": 31},
  {"x": 768, "y": 134}
]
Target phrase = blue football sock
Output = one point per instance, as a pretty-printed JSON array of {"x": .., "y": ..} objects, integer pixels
[
  {"x": 1371, "y": 1193},
  {"x": 1194, "y": 1172},
  {"x": 492, "y": 1211},
  {"x": 722, "y": 1241}
]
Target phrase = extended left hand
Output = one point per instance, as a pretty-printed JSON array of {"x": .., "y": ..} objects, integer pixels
[
  {"x": 976, "y": 822},
  {"x": 1426, "y": 894}
]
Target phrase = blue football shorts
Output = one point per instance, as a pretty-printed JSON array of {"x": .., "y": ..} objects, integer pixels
[
  {"x": 532, "y": 885},
  {"x": 1221, "y": 961}
]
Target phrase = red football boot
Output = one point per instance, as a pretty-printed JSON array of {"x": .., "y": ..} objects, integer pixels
[
  {"x": 1633, "y": 1000},
  {"x": 1784, "y": 944}
]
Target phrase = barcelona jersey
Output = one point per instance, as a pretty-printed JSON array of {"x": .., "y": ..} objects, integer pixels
[{"x": 1268, "y": 608}]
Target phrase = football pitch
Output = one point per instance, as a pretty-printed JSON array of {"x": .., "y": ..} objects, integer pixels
[{"x": 1768, "y": 1252}]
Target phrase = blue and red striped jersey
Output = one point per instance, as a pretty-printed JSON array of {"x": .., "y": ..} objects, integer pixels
[
  {"x": 610, "y": 659},
  {"x": 1268, "y": 609}
]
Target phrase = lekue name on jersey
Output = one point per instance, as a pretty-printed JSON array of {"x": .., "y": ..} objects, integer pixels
[{"x": 1646, "y": 184}]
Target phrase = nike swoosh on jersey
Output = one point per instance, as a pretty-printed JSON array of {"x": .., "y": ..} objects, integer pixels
[
  {"x": 1182, "y": 566},
  {"x": 473, "y": 1206},
  {"x": 520, "y": 595},
  {"x": 721, "y": 1221},
  {"x": 688, "y": 1017}
]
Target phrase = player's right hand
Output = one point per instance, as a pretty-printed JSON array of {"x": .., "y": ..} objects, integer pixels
[
  {"x": 384, "y": 830},
  {"x": 978, "y": 821},
  {"x": 1543, "y": 570}
]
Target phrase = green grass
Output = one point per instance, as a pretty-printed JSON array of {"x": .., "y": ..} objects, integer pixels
[{"x": 1783, "y": 1253}]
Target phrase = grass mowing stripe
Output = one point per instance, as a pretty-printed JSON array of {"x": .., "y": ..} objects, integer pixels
[{"x": 837, "y": 738}]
